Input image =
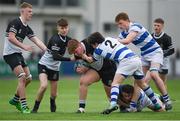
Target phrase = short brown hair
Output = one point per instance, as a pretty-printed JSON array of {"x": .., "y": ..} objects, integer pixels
[
  {"x": 62, "y": 22},
  {"x": 72, "y": 45},
  {"x": 25, "y": 5},
  {"x": 95, "y": 37},
  {"x": 159, "y": 20},
  {"x": 122, "y": 16}
]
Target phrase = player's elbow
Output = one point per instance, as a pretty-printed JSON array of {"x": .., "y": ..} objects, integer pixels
[{"x": 11, "y": 38}]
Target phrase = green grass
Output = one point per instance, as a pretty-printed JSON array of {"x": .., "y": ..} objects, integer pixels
[{"x": 67, "y": 102}]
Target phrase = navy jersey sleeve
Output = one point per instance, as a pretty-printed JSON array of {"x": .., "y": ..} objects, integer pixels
[
  {"x": 168, "y": 48},
  {"x": 53, "y": 45},
  {"x": 13, "y": 26}
]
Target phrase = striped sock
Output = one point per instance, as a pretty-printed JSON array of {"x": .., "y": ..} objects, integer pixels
[
  {"x": 82, "y": 103},
  {"x": 149, "y": 92},
  {"x": 16, "y": 98},
  {"x": 166, "y": 98},
  {"x": 133, "y": 104},
  {"x": 23, "y": 103},
  {"x": 114, "y": 95}
]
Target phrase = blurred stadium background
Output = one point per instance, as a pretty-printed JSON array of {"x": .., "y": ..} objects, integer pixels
[{"x": 87, "y": 16}]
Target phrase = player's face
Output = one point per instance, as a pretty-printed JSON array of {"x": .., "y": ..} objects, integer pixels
[
  {"x": 27, "y": 13},
  {"x": 123, "y": 24},
  {"x": 63, "y": 30},
  {"x": 158, "y": 27},
  {"x": 127, "y": 97},
  {"x": 79, "y": 51}
]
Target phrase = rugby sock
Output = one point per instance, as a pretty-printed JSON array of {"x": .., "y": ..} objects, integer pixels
[
  {"x": 149, "y": 92},
  {"x": 16, "y": 98},
  {"x": 52, "y": 101},
  {"x": 114, "y": 95},
  {"x": 36, "y": 105},
  {"x": 82, "y": 103},
  {"x": 52, "y": 104},
  {"x": 23, "y": 103},
  {"x": 166, "y": 98}
]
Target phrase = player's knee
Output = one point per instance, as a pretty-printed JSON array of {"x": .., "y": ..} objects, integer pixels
[
  {"x": 29, "y": 78},
  {"x": 21, "y": 76},
  {"x": 154, "y": 74},
  {"x": 84, "y": 83},
  {"x": 43, "y": 86}
]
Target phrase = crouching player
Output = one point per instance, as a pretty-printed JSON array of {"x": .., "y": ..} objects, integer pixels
[
  {"x": 128, "y": 64},
  {"x": 103, "y": 70},
  {"x": 125, "y": 97}
]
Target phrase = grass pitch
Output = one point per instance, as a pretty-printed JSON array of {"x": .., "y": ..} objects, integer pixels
[{"x": 67, "y": 103}]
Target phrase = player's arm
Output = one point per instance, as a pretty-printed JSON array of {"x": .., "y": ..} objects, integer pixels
[
  {"x": 39, "y": 43},
  {"x": 170, "y": 49},
  {"x": 12, "y": 39},
  {"x": 87, "y": 58},
  {"x": 130, "y": 37},
  {"x": 59, "y": 57}
]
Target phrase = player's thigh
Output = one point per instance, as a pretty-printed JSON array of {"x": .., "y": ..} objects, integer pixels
[
  {"x": 91, "y": 76},
  {"x": 26, "y": 70},
  {"x": 18, "y": 70},
  {"x": 118, "y": 79},
  {"x": 43, "y": 78}
]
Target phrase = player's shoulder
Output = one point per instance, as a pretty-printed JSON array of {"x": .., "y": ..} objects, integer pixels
[
  {"x": 15, "y": 21},
  {"x": 68, "y": 38},
  {"x": 167, "y": 36}
]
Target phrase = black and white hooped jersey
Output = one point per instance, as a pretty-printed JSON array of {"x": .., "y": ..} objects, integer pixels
[
  {"x": 56, "y": 44},
  {"x": 112, "y": 49},
  {"x": 89, "y": 50},
  {"x": 165, "y": 42},
  {"x": 21, "y": 31}
]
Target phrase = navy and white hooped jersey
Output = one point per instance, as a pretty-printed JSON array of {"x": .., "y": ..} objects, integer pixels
[
  {"x": 143, "y": 101},
  {"x": 112, "y": 49},
  {"x": 144, "y": 41}
]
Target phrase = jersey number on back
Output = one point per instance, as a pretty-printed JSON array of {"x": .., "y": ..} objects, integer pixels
[{"x": 108, "y": 42}]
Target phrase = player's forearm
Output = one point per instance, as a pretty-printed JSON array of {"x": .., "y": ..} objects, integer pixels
[
  {"x": 169, "y": 52},
  {"x": 39, "y": 43},
  {"x": 14, "y": 41}
]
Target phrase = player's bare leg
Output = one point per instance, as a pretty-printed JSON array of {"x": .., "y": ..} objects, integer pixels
[
  {"x": 19, "y": 72},
  {"x": 54, "y": 86},
  {"x": 88, "y": 78},
  {"x": 118, "y": 79},
  {"x": 160, "y": 85},
  {"x": 42, "y": 88}
]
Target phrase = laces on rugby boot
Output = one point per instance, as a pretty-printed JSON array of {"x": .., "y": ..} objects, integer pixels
[
  {"x": 26, "y": 110},
  {"x": 16, "y": 104},
  {"x": 110, "y": 109},
  {"x": 168, "y": 105},
  {"x": 80, "y": 110}
]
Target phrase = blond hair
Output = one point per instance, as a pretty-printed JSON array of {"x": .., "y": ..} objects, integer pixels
[{"x": 25, "y": 5}]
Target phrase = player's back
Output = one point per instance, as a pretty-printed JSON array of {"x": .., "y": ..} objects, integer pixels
[{"x": 112, "y": 49}]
